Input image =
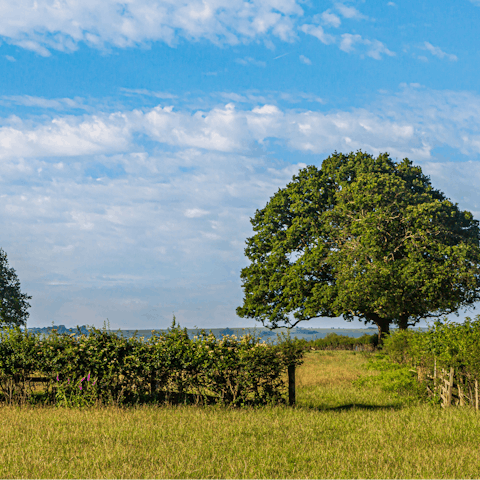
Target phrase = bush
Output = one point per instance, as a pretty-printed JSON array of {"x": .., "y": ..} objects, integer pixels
[
  {"x": 233, "y": 370},
  {"x": 448, "y": 343},
  {"x": 444, "y": 346}
]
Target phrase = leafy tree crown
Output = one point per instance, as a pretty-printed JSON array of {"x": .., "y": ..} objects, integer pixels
[
  {"x": 13, "y": 303},
  {"x": 361, "y": 237}
]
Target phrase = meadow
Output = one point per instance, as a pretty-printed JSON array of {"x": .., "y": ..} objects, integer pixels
[{"x": 337, "y": 429}]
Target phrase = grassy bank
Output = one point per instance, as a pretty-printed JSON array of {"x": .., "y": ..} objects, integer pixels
[{"x": 336, "y": 430}]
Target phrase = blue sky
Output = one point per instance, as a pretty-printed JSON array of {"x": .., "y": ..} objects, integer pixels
[{"x": 137, "y": 138}]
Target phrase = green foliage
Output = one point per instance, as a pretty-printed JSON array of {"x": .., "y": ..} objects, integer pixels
[
  {"x": 362, "y": 237},
  {"x": 445, "y": 345},
  {"x": 76, "y": 391},
  {"x": 450, "y": 344},
  {"x": 392, "y": 377},
  {"x": 117, "y": 370},
  {"x": 17, "y": 363},
  {"x": 13, "y": 303},
  {"x": 334, "y": 341}
]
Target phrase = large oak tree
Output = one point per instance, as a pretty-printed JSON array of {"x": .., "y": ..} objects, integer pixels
[{"x": 361, "y": 237}]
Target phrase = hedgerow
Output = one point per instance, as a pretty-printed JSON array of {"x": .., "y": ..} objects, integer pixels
[
  {"x": 104, "y": 367},
  {"x": 423, "y": 359},
  {"x": 334, "y": 341}
]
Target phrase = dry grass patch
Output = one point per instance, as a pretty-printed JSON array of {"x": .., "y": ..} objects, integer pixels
[{"x": 329, "y": 368}]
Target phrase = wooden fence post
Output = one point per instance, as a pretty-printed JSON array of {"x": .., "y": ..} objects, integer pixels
[
  {"x": 449, "y": 388},
  {"x": 476, "y": 394},
  {"x": 442, "y": 388},
  {"x": 461, "y": 395},
  {"x": 291, "y": 384},
  {"x": 446, "y": 388}
]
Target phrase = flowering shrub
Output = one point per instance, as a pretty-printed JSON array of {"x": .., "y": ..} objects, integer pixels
[
  {"x": 233, "y": 370},
  {"x": 72, "y": 392}
]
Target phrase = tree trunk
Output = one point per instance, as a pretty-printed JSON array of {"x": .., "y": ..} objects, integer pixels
[
  {"x": 383, "y": 325},
  {"x": 403, "y": 322},
  {"x": 383, "y": 331}
]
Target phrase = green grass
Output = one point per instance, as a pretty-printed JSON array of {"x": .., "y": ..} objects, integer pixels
[{"x": 336, "y": 430}]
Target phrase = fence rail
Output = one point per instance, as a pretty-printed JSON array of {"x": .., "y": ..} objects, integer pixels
[{"x": 453, "y": 388}]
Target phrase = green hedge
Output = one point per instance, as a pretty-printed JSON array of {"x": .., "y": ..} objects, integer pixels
[
  {"x": 450, "y": 344},
  {"x": 104, "y": 367},
  {"x": 444, "y": 346},
  {"x": 334, "y": 341}
]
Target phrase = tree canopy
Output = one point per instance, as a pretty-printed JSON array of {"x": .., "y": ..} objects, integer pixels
[
  {"x": 361, "y": 237},
  {"x": 13, "y": 303}
]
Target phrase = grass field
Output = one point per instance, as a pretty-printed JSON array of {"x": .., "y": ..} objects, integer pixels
[{"x": 336, "y": 430}]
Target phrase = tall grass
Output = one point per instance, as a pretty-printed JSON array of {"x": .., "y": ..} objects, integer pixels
[{"x": 336, "y": 430}]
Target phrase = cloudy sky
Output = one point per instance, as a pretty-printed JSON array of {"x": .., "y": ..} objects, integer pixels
[{"x": 137, "y": 138}]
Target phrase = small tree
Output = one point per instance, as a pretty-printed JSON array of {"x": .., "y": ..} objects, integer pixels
[
  {"x": 362, "y": 237},
  {"x": 13, "y": 303}
]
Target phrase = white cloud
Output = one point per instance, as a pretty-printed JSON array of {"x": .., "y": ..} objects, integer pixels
[
  {"x": 10, "y": 58},
  {"x": 148, "y": 93},
  {"x": 267, "y": 97},
  {"x": 375, "y": 49},
  {"x": 438, "y": 52},
  {"x": 371, "y": 48},
  {"x": 443, "y": 117},
  {"x": 297, "y": 97},
  {"x": 41, "y": 25},
  {"x": 410, "y": 123},
  {"x": 329, "y": 18},
  {"x": 350, "y": 12},
  {"x": 250, "y": 61},
  {"x": 195, "y": 212},
  {"x": 350, "y": 43},
  {"x": 129, "y": 236},
  {"x": 411, "y": 85},
  {"x": 132, "y": 237},
  {"x": 318, "y": 32},
  {"x": 33, "y": 45},
  {"x": 56, "y": 103},
  {"x": 65, "y": 136},
  {"x": 305, "y": 60},
  {"x": 459, "y": 179}
]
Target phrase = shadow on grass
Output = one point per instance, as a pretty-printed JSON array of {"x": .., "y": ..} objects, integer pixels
[{"x": 358, "y": 406}]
